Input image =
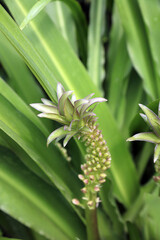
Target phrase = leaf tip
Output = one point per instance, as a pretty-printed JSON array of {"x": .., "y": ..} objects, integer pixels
[{"x": 129, "y": 139}]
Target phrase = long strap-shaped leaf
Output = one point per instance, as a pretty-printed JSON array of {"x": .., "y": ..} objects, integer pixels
[
  {"x": 138, "y": 46},
  {"x": 34, "y": 203},
  {"x": 151, "y": 15},
  {"x": 40, "y": 70},
  {"x": 63, "y": 19},
  {"x": 119, "y": 64},
  {"x": 95, "y": 42},
  {"x": 22, "y": 80},
  {"x": 28, "y": 136},
  {"x": 123, "y": 170},
  {"x": 21, "y": 106},
  {"x": 77, "y": 15}
]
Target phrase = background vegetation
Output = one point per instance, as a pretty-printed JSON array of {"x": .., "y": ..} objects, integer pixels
[{"x": 111, "y": 49}]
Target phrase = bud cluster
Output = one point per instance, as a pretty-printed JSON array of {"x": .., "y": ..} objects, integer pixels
[{"x": 98, "y": 160}]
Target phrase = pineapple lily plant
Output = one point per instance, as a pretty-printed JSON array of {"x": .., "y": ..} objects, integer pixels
[{"x": 64, "y": 190}]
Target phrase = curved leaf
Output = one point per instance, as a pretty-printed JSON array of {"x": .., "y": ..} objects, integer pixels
[
  {"x": 44, "y": 108},
  {"x": 96, "y": 30},
  {"x": 146, "y": 136},
  {"x": 77, "y": 15},
  {"x": 53, "y": 116},
  {"x": 56, "y": 134},
  {"x": 34, "y": 203},
  {"x": 151, "y": 14},
  {"x": 138, "y": 46},
  {"x": 62, "y": 16},
  {"x": 22, "y": 80},
  {"x": 119, "y": 64},
  {"x": 28, "y": 136}
]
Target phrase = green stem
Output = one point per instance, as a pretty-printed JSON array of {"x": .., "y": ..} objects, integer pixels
[{"x": 91, "y": 223}]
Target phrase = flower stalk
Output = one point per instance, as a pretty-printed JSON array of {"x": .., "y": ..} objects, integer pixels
[{"x": 92, "y": 224}]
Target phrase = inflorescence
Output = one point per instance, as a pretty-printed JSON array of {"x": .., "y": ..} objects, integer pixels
[{"x": 78, "y": 119}]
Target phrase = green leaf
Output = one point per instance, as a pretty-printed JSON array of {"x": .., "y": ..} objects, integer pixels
[
  {"x": 119, "y": 64},
  {"x": 24, "y": 157},
  {"x": 145, "y": 118},
  {"x": 96, "y": 29},
  {"x": 68, "y": 137},
  {"x": 33, "y": 142},
  {"x": 152, "y": 118},
  {"x": 35, "y": 62},
  {"x": 77, "y": 15},
  {"x": 22, "y": 80},
  {"x": 138, "y": 46},
  {"x": 143, "y": 158},
  {"x": 13, "y": 98},
  {"x": 134, "y": 232},
  {"x": 79, "y": 102},
  {"x": 60, "y": 132},
  {"x": 53, "y": 116},
  {"x": 44, "y": 108},
  {"x": 34, "y": 12},
  {"x": 132, "y": 96},
  {"x": 111, "y": 209},
  {"x": 146, "y": 136},
  {"x": 12, "y": 227},
  {"x": 35, "y": 203},
  {"x": 61, "y": 15},
  {"x": 151, "y": 14},
  {"x": 62, "y": 102},
  {"x": 150, "y": 217}
]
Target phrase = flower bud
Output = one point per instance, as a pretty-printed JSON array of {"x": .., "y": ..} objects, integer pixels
[
  {"x": 91, "y": 177},
  {"x": 89, "y": 169},
  {"x": 95, "y": 169},
  {"x": 103, "y": 175},
  {"x": 86, "y": 172},
  {"x": 102, "y": 180},
  {"x": 84, "y": 190},
  {"x": 75, "y": 201},
  {"x": 104, "y": 168},
  {"x": 80, "y": 176},
  {"x": 104, "y": 160},
  {"x": 98, "y": 166},
  {"x": 85, "y": 181},
  {"x": 90, "y": 203},
  {"x": 156, "y": 178},
  {"x": 100, "y": 154},
  {"x": 96, "y": 189}
]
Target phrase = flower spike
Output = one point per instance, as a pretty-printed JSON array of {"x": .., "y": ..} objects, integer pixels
[{"x": 78, "y": 118}]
